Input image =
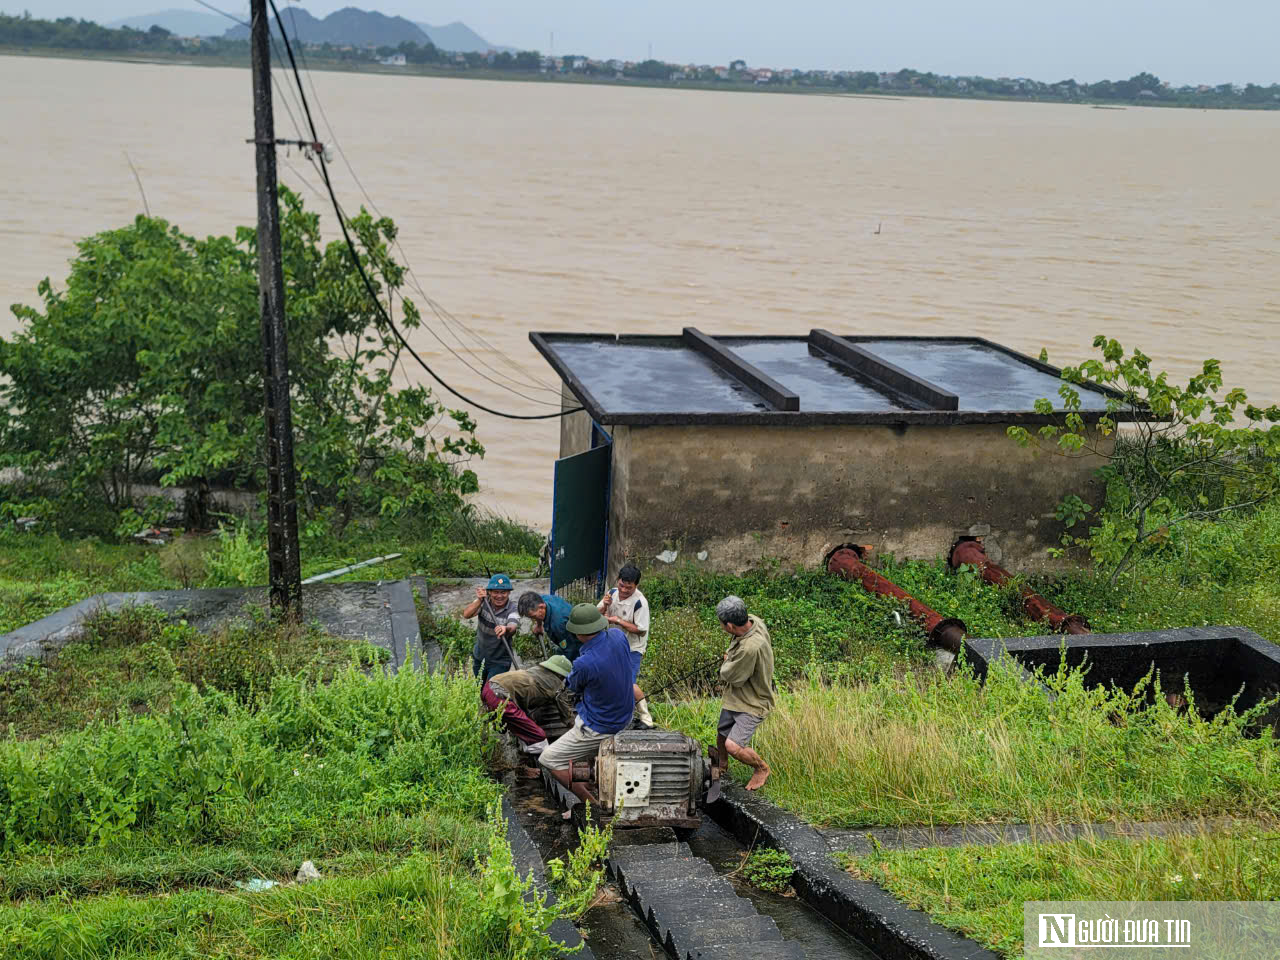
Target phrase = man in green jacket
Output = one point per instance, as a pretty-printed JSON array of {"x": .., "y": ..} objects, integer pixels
[{"x": 747, "y": 675}]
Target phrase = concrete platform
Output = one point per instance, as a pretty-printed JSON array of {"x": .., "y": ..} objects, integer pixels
[{"x": 381, "y": 613}]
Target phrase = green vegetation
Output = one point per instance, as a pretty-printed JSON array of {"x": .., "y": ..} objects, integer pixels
[
  {"x": 146, "y": 368},
  {"x": 948, "y": 749},
  {"x": 135, "y": 660},
  {"x": 979, "y": 890},
  {"x": 379, "y": 780},
  {"x": 1218, "y": 571},
  {"x": 768, "y": 869},
  {"x": 1202, "y": 458}
]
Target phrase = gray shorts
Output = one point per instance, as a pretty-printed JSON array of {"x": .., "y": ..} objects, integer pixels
[
  {"x": 580, "y": 742},
  {"x": 738, "y": 727}
]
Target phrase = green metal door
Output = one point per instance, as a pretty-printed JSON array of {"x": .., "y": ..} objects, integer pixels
[{"x": 580, "y": 515}]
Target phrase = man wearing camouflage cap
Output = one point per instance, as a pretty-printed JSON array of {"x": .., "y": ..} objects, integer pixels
[{"x": 525, "y": 691}]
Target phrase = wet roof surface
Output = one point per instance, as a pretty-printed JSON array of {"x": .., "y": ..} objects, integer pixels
[
  {"x": 656, "y": 377},
  {"x": 850, "y": 379},
  {"x": 982, "y": 377},
  {"x": 822, "y": 382}
]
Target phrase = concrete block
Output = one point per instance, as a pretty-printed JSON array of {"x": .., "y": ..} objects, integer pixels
[{"x": 687, "y": 939}]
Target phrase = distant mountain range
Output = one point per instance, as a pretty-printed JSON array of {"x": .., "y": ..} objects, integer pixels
[
  {"x": 184, "y": 23},
  {"x": 359, "y": 28}
]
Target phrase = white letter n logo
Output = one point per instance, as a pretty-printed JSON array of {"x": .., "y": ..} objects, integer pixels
[{"x": 1057, "y": 929}]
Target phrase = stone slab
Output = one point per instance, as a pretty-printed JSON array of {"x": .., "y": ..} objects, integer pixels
[
  {"x": 381, "y": 613},
  {"x": 769, "y": 950},
  {"x": 688, "y": 937},
  {"x": 662, "y": 913}
]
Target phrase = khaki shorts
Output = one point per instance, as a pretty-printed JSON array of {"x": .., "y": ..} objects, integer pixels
[
  {"x": 579, "y": 743},
  {"x": 738, "y": 727}
]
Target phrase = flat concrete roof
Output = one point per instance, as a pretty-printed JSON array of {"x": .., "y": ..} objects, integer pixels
[{"x": 823, "y": 378}]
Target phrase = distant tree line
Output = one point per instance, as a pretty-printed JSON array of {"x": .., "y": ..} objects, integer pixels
[
  {"x": 68, "y": 33},
  {"x": 1142, "y": 88}
]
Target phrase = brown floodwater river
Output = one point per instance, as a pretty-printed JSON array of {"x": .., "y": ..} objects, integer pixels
[{"x": 540, "y": 206}]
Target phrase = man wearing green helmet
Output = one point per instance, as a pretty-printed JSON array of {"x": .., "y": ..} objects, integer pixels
[
  {"x": 524, "y": 691},
  {"x": 497, "y": 623}
]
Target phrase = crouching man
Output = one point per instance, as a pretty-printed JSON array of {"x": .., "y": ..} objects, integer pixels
[
  {"x": 601, "y": 678},
  {"x": 747, "y": 674},
  {"x": 525, "y": 691}
]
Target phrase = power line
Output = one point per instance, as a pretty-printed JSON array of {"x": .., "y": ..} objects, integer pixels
[
  {"x": 368, "y": 284},
  {"x": 448, "y": 320}
]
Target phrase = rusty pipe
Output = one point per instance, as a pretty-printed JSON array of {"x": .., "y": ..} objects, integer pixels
[
  {"x": 947, "y": 633},
  {"x": 974, "y": 553}
]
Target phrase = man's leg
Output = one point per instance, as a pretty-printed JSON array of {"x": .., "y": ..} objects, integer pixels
[
  {"x": 642, "y": 706},
  {"x": 577, "y": 744},
  {"x": 736, "y": 731},
  {"x": 752, "y": 759},
  {"x": 516, "y": 720}
]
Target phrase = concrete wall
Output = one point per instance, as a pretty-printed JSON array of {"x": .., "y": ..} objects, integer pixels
[
  {"x": 575, "y": 429},
  {"x": 728, "y": 497}
]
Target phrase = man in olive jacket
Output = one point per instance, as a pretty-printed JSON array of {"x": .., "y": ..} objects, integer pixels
[{"x": 747, "y": 674}]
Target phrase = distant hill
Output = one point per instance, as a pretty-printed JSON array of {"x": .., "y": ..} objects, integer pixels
[
  {"x": 358, "y": 28},
  {"x": 183, "y": 23},
  {"x": 460, "y": 38}
]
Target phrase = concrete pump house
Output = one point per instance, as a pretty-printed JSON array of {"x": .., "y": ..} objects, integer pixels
[{"x": 725, "y": 450}]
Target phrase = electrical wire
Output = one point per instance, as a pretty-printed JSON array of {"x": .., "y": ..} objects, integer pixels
[
  {"x": 368, "y": 284},
  {"x": 448, "y": 320}
]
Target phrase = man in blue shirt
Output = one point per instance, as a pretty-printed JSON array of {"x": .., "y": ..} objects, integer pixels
[
  {"x": 601, "y": 677},
  {"x": 550, "y": 616}
]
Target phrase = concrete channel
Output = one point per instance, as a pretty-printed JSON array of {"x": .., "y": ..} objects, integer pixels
[{"x": 680, "y": 897}]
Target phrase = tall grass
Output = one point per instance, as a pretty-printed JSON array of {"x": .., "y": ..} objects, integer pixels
[
  {"x": 979, "y": 890},
  {"x": 933, "y": 749}
]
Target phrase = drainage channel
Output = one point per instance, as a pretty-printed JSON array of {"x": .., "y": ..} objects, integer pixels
[{"x": 682, "y": 898}]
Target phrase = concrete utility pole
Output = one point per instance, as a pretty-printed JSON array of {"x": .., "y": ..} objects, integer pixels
[{"x": 282, "y": 495}]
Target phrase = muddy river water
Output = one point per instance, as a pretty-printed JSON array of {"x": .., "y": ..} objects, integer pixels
[{"x": 533, "y": 206}]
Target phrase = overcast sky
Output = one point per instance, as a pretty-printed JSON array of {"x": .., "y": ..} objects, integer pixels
[{"x": 1184, "y": 41}]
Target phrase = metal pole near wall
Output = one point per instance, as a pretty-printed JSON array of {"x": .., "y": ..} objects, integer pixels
[{"x": 282, "y": 498}]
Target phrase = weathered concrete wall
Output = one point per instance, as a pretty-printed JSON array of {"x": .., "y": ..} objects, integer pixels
[
  {"x": 728, "y": 497},
  {"x": 575, "y": 429}
]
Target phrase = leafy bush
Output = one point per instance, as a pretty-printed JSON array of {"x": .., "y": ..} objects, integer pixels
[
  {"x": 1183, "y": 457},
  {"x": 577, "y": 878},
  {"x": 768, "y": 869},
  {"x": 150, "y": 360}
]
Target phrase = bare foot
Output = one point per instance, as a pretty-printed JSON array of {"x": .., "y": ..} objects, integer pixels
[{"x": 759, "y": 777}]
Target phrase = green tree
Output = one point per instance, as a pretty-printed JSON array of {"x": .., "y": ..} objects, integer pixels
[
  {"x": 148, "y": 364},
  {"x": 1184, "y": 455}
]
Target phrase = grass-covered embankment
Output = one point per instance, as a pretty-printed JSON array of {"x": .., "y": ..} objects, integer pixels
[
  {"x": 979, "y": 890},
  {"x": 123, "y": 839},
  {"x": 948, "y": 749}
]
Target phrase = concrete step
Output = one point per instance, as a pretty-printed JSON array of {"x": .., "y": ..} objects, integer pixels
[
  {"x": 629, "y": 875},
  {"x": 770, "y": 950},
  {"x": 662, "y": 914},
  {"x": 650, "y": 851},
  {"x": 673, "y": 890},
  {"x": 690, "y": 937}
]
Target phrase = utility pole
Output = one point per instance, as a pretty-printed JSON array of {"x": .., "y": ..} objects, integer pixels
[{"x": 282, "y": 496}]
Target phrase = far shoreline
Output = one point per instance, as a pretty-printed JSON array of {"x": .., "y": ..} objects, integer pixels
[{"x": 508, "y": 76}]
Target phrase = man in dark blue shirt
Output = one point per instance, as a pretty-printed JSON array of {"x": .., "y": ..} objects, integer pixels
[
  {"x": 601, "y": 677},
  {"x": 550, "y": 616}
]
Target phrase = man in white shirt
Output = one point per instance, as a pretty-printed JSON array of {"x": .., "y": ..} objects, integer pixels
[{"x": 626, "y": 608}]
